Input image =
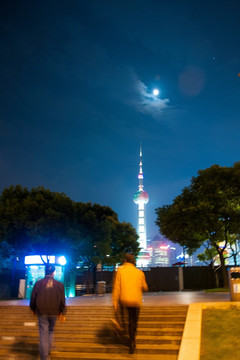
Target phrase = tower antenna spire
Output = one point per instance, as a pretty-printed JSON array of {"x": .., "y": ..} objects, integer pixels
[{"x": 140, "y": 174}]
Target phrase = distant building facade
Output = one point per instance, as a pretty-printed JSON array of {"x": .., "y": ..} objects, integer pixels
[{"x": 162, "y": 252}]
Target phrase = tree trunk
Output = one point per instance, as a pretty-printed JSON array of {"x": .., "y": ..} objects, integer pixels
[
  {"x": 215, "y": 274},
  {"x": 224, "y": 270},
  {"x": 216, "y": 279},
  {"x": 235, "y": 259}
]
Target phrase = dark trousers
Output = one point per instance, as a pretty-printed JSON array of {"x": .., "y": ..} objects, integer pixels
[
  {"x": 133, "y": 314},
  {"x": 46, "y": 326}
]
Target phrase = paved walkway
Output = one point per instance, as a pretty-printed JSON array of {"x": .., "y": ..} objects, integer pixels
[{"x": 149, "y": 299}]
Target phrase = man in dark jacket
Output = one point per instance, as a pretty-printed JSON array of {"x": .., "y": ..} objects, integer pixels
[{"x": 48, "y": 302}]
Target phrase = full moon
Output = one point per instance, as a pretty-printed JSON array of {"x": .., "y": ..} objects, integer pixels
[{"x": 156, "y": 92}]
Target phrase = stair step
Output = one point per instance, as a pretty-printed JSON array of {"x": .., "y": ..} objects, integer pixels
[
  {"x": 72, "y": 327},
  {"x": 6, "y": 355},
  {"x": 96, "y": 348},
  {"x": 94, "y": 321},
  {"x": 89, "y": 338},
  {"x": 101, "y": 310},
  {"x": 141, "y": 332}
]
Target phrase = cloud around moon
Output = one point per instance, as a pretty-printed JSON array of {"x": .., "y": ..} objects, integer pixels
[{"x": 148, "y": 103}]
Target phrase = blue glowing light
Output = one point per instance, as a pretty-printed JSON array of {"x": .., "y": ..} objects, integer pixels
[
  {"x": 62, "y": 260},
  {"x": 37, "y": 259},
  {"x": 43, "y": 259},
  {"x": 71, "y": 294}
]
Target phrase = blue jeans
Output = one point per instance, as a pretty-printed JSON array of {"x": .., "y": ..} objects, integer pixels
[{"x": 46, "y": 326}]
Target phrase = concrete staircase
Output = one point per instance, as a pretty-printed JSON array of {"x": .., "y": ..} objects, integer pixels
[{"x": 87, "y": 334}]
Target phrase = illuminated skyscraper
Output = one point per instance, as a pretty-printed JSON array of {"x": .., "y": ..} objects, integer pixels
[{"x": 141, "y": 198}]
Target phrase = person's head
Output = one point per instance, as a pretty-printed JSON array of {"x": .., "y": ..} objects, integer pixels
[
  {"x": 49, "y": 269},
  {"x": 129, "y": 258}
]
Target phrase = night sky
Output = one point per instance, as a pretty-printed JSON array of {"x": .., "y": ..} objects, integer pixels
[{"x": 76, "y": 96}]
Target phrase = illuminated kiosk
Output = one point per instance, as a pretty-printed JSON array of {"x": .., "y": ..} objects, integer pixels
[
  {"x": 141, "y": 198},
  {"x": 35, "y": 269}
]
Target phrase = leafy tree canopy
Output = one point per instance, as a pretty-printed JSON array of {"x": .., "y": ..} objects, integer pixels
[
  {"x": 36, "y": 221},
  {"x": 206, "y": 211},
  {"x": 39, "y": 221}
]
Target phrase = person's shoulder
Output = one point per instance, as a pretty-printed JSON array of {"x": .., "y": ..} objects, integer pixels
[
  {"x": 38, "y": 282},
  {"x": 121, "y": 267},
  {"x": 37, "y": 286},
  {"x": 57, "y": 283},
  {"x": 131, "y": 268},
  {"x": 140, "y": 272}
]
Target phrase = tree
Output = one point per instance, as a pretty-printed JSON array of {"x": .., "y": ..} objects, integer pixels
[
  {"x": 36, "y": 221},
  {"x": 93, "y": 233},
  {"x": 209, "y": 257},
  {"x": 124, "y": 240},
  {"x": 39, "y": 221},
  {"x": 7, "y": 257},
  {"x": 207, "y": 210},
  {"x": 100, "y": 237}
]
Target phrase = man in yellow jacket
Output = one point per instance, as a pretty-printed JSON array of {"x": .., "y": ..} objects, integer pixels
[{"x": 127, "y": 291}]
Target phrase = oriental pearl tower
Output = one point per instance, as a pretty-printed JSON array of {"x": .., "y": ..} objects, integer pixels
[{"x": 141, "y": 198}]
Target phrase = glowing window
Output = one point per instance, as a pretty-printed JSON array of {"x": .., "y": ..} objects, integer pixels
[
  {"x": 141, "y": 221},
  {"x": 141, "y": 213},
  {"x": 141, "y": 206},
  {"x": 141, "y": 228}
]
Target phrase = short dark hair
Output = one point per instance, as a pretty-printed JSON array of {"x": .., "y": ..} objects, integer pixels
[
  {"x": 129, "y": 258},
  {"x": 49, "y": 269}
]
